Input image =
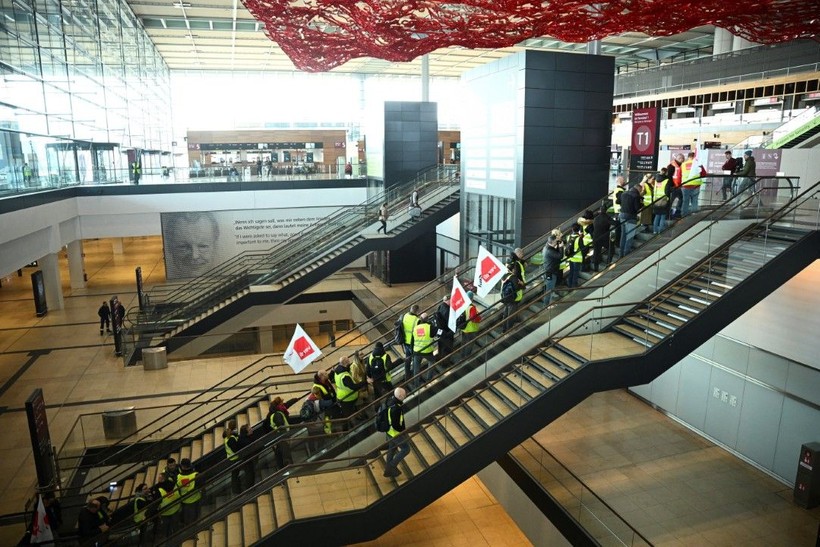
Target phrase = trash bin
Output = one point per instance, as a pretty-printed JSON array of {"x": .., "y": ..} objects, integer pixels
[
  {"x": 154, "y": 358},
  {"x": 118, "y": 424}
]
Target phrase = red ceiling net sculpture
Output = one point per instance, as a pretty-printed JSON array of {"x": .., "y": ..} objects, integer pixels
[{"x": 319, "y": 35}]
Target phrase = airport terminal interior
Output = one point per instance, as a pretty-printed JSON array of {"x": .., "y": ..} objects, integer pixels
[{"x": 218, "y": 176}]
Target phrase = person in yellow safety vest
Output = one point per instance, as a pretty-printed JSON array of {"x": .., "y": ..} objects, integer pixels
[
  {"x": 397, "y": 446},
  {"x": 378, "y": 370},
  {"x": 615, "y": 205},
  {"x": 190, "y": 495},
  {"x": 230, "y": 440},
  {"x": 645, "y": 216},
  {"x": 169, "y": 506},
  {"x": 136, "y": 171},
  {"x": 423, "y": 346},
  {"x": 347, "y": 391},
  {"x": 141, "y": 501},
  {"x": 576, "y": 258},
  {"x": 663, "y": 189},
  {"x": 326, "y": 397},
  {"x": 517, "y": 257},
  {"x": 691, "y": 180},
  {"x": 408, "y": 322}
]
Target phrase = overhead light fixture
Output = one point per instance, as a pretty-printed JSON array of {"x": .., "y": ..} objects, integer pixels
[{"x": 181, "y": 4}]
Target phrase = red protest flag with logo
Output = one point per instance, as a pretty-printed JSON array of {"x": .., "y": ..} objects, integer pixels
[
  {"x": 41, "y": 527},
  {"x": 488, "y": 271},
  {"x": 459, "y": 302},
  {"x": 301, "y": 351}
]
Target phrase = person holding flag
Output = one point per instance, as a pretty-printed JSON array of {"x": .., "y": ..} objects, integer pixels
[
  {"x": 489, "y": 270},
  {"x": 301, "y": 351},
  {"x": 470, "y": 330},
  {"x": 45, "y": 521}
]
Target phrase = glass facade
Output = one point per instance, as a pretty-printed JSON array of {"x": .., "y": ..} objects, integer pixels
[
  {"x": 489, "y": 221},
  {"x": 83, "y": 93}
]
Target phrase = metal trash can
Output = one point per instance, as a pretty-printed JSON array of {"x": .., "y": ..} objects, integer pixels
[
  {"x": 154, "y": 358},
  {"x": 118, "y": 424}
]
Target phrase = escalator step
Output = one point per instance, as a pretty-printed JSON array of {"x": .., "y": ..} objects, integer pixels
[
  {"x": 250, "y": 523},
  {"x": 267, "y": 522}
]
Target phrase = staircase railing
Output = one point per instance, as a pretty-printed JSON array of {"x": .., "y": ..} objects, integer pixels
[
  {"x": 170, "y": 308},
  {"x": 585, "y": 327}
]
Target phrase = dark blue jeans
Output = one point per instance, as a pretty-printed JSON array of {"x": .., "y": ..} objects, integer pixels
[{"x": 397, "y": 450}]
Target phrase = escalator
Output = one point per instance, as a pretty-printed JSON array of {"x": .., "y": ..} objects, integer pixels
[
  {"x": 524, "y": 385},
  {"x": 181, "y": 314},
  {"x": 799, "y": 132}
]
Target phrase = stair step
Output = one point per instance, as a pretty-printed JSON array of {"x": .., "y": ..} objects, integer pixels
[
  {"x": 671, "y": 308},
  {"x": 234, "y": 529},
  {"x": 538, "y": 366},
  {"x": 267, "y": 520},
  {"x": 250, "y": 524},
  {"x": 637, "y": 334},
  {"x": 513, "y": 395},
  {"x": 281, "y": 505},
  {"x": 647, "y": 324},
  {"x": 661, "y": 316},
  {"x": 685, "y": 300},
  {"x": 203, "y": 539},
  {"x": 196, "y": 449},
  {"x": 694, "y": 293},
  {"x": 423, "y": 447},
  {"x": 567, "y": 360},
  {"x": 208, "y": 442},
  {"x": 496, "y": 402},
  {"x": 468, "y": 420},
  {"x": 524, "y": 383},
  {"x": 219, "y": 536},
  {"x": 455, "y": 431}
]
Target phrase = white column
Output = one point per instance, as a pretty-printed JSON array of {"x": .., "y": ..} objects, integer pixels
[
  {"x": 264, "y": 336},
  {"x": 50, "y": 267},
  {"x": 594, "y": 47},
  {"x": 425, "y": 78},
  {"x": 722, "y": 42},
  {"x": 739, "y": 43},
  {"x": 116, "y": 243},
  {"x": 76, "y": 264}
]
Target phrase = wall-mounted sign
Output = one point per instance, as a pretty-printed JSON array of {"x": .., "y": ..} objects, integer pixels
[
  {"x": 226, "y": 146},
  {"x": 646, "y": 125}
]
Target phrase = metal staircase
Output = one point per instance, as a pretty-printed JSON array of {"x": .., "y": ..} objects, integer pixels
[
  {"x": 176, "y": 313},
  {"x": 524, "y": 384}
]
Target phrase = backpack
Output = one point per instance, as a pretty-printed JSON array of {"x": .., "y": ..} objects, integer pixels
[
  {"x": 508, "y": 290},
  {"x": 569, "y": 248},
  {"x": 461, "y": 321},
  {"x": 382, "y": 419},
  {"x": 308, "y": 412},
  {"x": 377, "y": 367},
  {"x": 398, "y": 331}
]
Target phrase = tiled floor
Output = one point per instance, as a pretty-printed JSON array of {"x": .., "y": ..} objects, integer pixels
[
  {"x": 674, "y": 487},
  {"x": 77, "y": 371}
]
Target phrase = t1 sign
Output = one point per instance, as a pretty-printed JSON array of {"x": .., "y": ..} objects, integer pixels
[{"x": 644, "y": 151}]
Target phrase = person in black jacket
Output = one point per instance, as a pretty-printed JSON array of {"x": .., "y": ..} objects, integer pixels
[
  {"x": 397, "y": 445},
  {"x": 552, "y": 267},
  {"x": 601, "y": 225},
  {"x": 446, "y": 337},
  {"x": 378, "y": 370},
  {"x": 630, "y": 205}
]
